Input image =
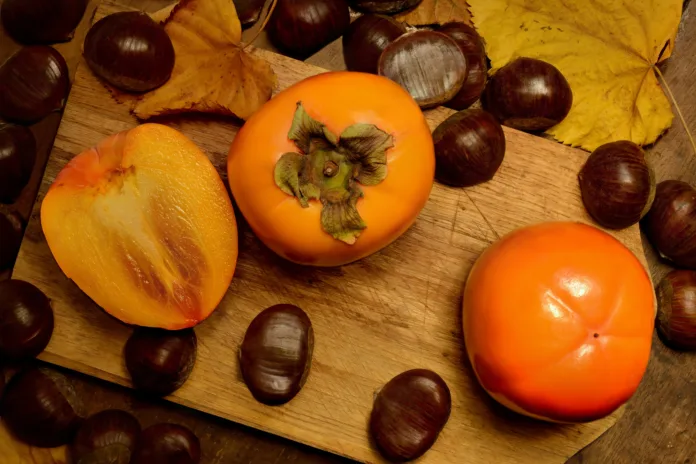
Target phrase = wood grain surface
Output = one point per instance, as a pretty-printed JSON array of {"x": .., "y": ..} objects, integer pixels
[
  {"x": 396, "y": 310},
  {"x": 657, "y": 426},
  {"x": 15, "y": 452}
]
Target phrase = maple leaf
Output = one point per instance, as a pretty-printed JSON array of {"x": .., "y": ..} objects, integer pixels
[
  {"x": 212, "y": 73},
  {"x": 606, "y": 50},
  {"x": 431, "y": 12}
]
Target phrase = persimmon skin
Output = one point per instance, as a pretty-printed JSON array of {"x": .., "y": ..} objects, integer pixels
[
  {"x": 558, "y": 320},
  {"x": 338, "y": 100},
  {"x": 143, "y": 225}
]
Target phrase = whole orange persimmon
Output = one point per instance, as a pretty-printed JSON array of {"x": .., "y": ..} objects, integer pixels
[
  {"x": 334, "y": 168},
  {"x": 558, "y": 320}
]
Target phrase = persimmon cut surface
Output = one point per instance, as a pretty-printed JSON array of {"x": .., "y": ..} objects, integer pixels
[
  {"x": 558, "y": 320},
  {"x": 334, "y": 168},
  {"x": 142, "y": 223}
]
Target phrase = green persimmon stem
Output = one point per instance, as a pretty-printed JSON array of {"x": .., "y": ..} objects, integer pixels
[{"x": 331, "y": 169}]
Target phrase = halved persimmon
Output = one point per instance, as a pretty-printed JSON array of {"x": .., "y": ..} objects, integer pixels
[
  {"x": 558, "y": 320},
  {"x": 334, "y": 168},
  {"x": 142, "y": 223}
]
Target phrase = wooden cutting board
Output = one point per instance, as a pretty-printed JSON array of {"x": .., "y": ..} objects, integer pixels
[{"x": 396, "y": 310}]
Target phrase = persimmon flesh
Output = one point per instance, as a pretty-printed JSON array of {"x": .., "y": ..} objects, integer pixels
[
  {"x": 142, "y": 223},
  {"x": 333, "y": 168},
  {"x": 558, "y": 320}
]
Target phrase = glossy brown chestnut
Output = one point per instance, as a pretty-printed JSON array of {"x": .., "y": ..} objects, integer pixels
[
  {"x": 366, "y": 39},
  {"x": 33, "y": 83},
  {"x": 17, "y": 156},
  {"x": 671, "y": 222},
  {"x": 276, "y": 354},
  {"x": 406, "y": 58},
  {"x": 384, "y": 6},
  {"x": 107, "y": 437},
  {"x": 41, "y": 408},
  {"x": 300, "y": 28},
  {"x": 130, "y": 51},
  {"x": 471, "y": 45},
  {"x": 167, "y": 444},
  {"x": 42, "y": 21},
  {"x": 26, "y": 320},
  {"x": 248, "y": 11},
  {"x": 409, "y": 413},
  {"x": 469, "y": 148},
  {"x": 617, "y": 184},
  {"x": 528, "y": 94},
  {"x": 11, "y": 233},
  {"x": 676, "y": 315},
  {"x": 160, "y": 361}
]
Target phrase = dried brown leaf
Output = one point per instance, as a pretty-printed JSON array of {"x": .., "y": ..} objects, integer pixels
[
  {"x": 162, "y": 15},
  {"x": 212, "y": 73},
  {"x": 431, "y": 12}
]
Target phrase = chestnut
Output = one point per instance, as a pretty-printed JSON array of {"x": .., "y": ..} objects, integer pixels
[
  {"x": 408, "y": 414},
  {"x": 617, "y": 184},
  {"x": 300, "y": 28},
  {"x": 471, "y": 44},
  {"x": 366, "y": 39},
  {"x": 160, "y": 361},
  {"x": 469, "y": 148},
  {"x": 249, "y": 11},
  {"x": 529, "y": 95},
  {"x": 384, "y": 6},
  {"x": 106, "y": 437},
  {"x": 130, "y": 51},
  {"x": 167, "y": 444},
  {"x": 33, "y": 83},
  {"x": 276, "y": 354},
  {"x": 11, "y": 233},
  {"x": 42, "y": 21},
  {"x": 17, "y": 156},
  {"x": 676, "y": 315},
  {"x": 26, "y": 320},
  {"x": 41, "y": 408},
  {"x": 405, "y": 60},
  {"x": 670, "y": 224}
]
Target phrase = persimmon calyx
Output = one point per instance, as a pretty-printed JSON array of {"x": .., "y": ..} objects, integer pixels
[{"x": 330, "y": 168}]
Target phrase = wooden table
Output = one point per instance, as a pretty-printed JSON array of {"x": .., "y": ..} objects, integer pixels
[{"x": 658, "y": 425}]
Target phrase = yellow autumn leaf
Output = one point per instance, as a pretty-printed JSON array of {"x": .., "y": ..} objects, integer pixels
[
  {"x": 606, "y": 49},
  {"x": 212, "y": 73}
]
